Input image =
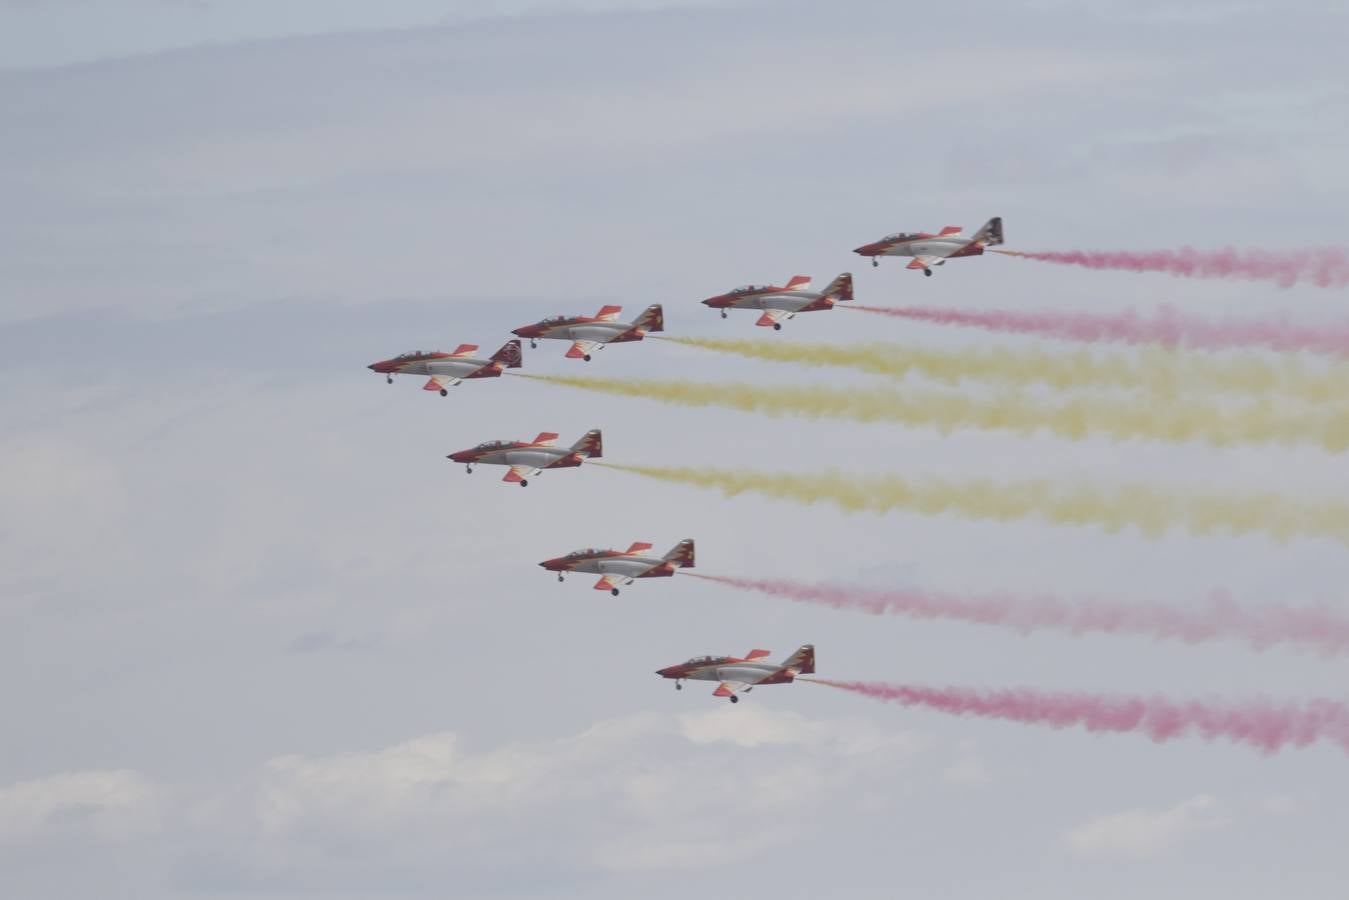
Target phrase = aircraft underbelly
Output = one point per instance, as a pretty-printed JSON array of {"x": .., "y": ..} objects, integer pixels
[
  {"x": 536, "y": 459},
  {"x": 747, "y": 674},
  {"x": 456, "y": 368},
  {"x": 787, "y": 303},
  {"x": 597, "y": 333},
  {"x": 628, "y": 567}
]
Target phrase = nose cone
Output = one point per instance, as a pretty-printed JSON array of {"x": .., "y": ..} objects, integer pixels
[
  {"x": 552, "y": 565},
  {"x": 383, "y": 365},
  {"x": 665, "y": 672},
  {"x": 717, "y": 302},
  {"x": 462, "y": 456},
  {"x": 526, "y": 331},
  {"x": 868, "y": 250}
]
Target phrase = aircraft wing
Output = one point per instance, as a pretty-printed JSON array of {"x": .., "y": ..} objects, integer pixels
[
  {"x": 925, "y": 262},
  {"x": 771, "y": 317},
  {"x": 517, "y": 473},
  {"x": 440, "y": 382},
  {"x": 727, "y": 688},
  {"x": 609, "y": 582},
  {"x": 582, "y": 349}
]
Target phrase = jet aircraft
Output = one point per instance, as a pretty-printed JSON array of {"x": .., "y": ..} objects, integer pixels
[
  {"x": 785, "y": 302},
  {"x": 622, "y": 566},
  {"x": 449, "y": 368},
  {"x": 742, "y": 675},
  {"x": 590, "y": 332},
  {"x": 531, "y": 457},
  {"x": 930, "y": 250}
]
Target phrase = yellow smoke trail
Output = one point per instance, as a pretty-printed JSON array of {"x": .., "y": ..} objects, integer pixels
[
  {"x": 1260, "y": 421},
  {"x": 1151, "y": 509},
  {"x": 1161, "y": 371}
]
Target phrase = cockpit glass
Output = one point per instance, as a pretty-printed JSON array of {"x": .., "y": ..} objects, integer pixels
[
  {"x": 899, "y": 236},
  {"x": 492, "y": 445},
  {"x": 553, "y": 320},
  {"x": 412, "y": 354},
  {"x": 703, "y": 660},
  {"x": 589, "y": 551},
  {"x": 747, "y": 288}
]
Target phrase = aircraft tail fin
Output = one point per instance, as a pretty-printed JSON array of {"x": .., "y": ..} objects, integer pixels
[
  {"x": 990, "y": 235},
  {"x": 840, "y": 288},
  {"x": 591, "y": 445},
  {"x": 798, "y": 282},
  {"x": 509, "y": 355},
  {"x": 802, "y": 661},
  {"x": 651, "y": 319},
  {"x": 682, "y": 554}
]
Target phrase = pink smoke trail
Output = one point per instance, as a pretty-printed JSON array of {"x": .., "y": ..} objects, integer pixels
[
  {"x": 1322, "y": 266},
  {"x": 1265, "y": 725},
  {"x": 1165, "y": 327},
  {"x": 1216, "y": 619}
]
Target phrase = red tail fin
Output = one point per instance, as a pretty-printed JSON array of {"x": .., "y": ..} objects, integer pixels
[
  {"x": 509, "y": 355},
  {"x": 651, "y": 319},
  {"x": 682, "y": 554},
  {"x": 591, "y": 445}
]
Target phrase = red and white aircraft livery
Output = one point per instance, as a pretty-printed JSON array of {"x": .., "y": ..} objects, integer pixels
[
  {"x": 590, "y": 332},
  {"x": 622, "y": 566},
  {"x": 742, "y": 675},
  {"x": 785, "y": 302},
  {"x": 930, "y": 250},
  {"x": 531, "y": 457},
  {"x": 450, "y": 368}
]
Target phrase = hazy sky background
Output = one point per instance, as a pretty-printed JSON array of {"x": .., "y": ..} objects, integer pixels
[{"x": 264, "y": 640}]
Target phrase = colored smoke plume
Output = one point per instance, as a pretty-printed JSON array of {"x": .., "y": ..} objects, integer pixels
[
  {"x": 1151, "y": 509},
  {"x": 1216, "y": 619},
  {"x": 1322, "y": 266},
  {"x": 1166, "y": 327},
  {"x": 1266, "y": 725},
  {"x": 1159, "y": 371},
  {"x": 1077, "y": 418}
]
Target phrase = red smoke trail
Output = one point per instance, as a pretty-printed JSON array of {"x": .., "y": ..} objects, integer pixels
[
  {"x": 1323, "y": 266},
  {"x": 1265, "y": 725},
  {"x": 1216, "y": 619},
  {"x": 1165, "y": 327}
]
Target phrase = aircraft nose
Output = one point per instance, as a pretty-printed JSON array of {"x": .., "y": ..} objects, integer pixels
[{"x": 865, "y": 250}]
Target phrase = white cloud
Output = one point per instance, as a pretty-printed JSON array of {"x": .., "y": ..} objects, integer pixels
[
  {"x": 106, "y": 805},
  {"x": 1141, "y": 833},
  {"x": 639, "y": 792}
]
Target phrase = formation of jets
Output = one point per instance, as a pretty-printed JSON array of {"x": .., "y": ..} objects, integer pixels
[{"x": 527, "y": 459}]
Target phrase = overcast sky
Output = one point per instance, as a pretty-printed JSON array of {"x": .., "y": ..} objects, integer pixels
[{"x": 262, "y": 639}]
